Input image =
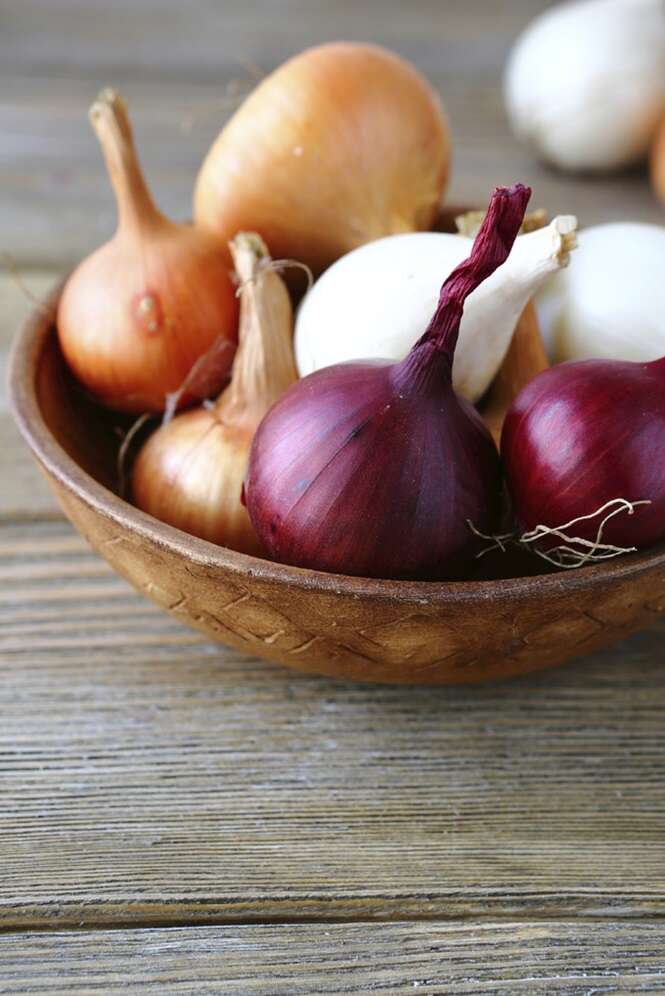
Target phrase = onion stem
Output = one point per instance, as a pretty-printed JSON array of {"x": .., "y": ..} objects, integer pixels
[
  {"x": 110, "y": 120},
  {"x": 431, "y": 359}
]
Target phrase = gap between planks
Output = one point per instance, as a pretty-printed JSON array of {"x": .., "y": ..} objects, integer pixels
[{"x": 474, "y": 918}]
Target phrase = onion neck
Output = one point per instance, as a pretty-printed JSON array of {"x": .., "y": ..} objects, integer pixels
[
  {"x": 430, "y": 361},
  {"x": 537, "y": 254},
  {"x": 263, "y": 367},
  {"x": 110, "y": 120}
]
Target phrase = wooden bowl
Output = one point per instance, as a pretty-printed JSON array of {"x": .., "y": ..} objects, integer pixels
[{"x": 384, "y": 631}]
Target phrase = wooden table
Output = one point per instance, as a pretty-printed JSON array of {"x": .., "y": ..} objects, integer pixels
[{"x": 177, "y": 818}]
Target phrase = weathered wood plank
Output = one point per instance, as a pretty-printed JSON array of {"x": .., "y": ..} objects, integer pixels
[
  {"x": 184, "y": 70},
  {"x": 24, "y": 493},
  {"x": 161, "y": 38},
  {"x": 150, "y": 777},
  {"x": 23, "y": 490},
  {"x": 544, "y": 957}
]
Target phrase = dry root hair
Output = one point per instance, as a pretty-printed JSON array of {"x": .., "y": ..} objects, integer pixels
[{"x": 572, "y": 551}]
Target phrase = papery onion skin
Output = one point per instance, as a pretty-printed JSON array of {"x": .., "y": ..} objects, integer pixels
[
  {"x": 135, "y": 315},
  {"x": 585, "y": 433},
  {"x": 190, "y": 472},
  {"x": 341, "y": 145},
  {"x": 375, "y": 301},
  {"x": 375, "y": 469},
  {"x": 131, "y": 332},
  {"x": 611, "y": 303}
]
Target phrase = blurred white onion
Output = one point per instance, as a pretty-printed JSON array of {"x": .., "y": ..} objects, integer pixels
[
  {"x": 585, "y": 82},
  {"x": 610, "y": 302}
]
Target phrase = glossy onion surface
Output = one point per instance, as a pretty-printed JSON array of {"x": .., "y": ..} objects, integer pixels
[
  {"x": 586, "y": 433},
  {"x": 365, "y": 482},
  {"x": 379, "y": 469}
]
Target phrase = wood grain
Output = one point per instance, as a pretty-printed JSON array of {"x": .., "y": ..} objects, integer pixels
[
  {"x": 24, "y": 492},
  {"x": 149, "y": 777},
  {"x": 501, "y": 959},
  {"x": 185, "y": 70}
]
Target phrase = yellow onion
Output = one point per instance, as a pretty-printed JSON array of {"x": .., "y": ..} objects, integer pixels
[
  {"x": 190, "y": 471},
  {"x": 343, "y": 144},
  {"x": 658, "y": 162},
  {"x": 137, "y": 314}
]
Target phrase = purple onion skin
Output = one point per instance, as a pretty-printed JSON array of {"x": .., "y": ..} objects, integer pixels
[
  {"x": 376, "y": 468},
  {"x": 345, "y": 508},
  {"x": 582, "y": 434}
]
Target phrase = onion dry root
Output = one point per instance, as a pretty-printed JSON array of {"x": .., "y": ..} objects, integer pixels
[{"x": 572, "y": 551}]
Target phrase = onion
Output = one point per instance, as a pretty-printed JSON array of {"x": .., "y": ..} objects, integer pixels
[
  {"x": 377, "y": 468},
  {"x": 585, "y": 84},
  {"x": 525, "y": 359},
  {"x": 342, "y": 144},
  {"x": 137, "y": 314},
  {"x": 611, "y": 302},
  {"x": 190, "y": 472},
  {"x": 658, "y": 162},
  {"x": 583, "y": 446},
  {"x": 375, "y": 301}
]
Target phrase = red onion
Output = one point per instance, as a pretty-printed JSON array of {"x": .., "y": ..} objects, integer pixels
[
  {"x": 583, "y": 447},
  {"x": 376, "y": 468}
]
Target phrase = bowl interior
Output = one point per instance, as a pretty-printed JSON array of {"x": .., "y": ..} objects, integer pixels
[
  {"x": 88, "y": 434},
  {"x": 93, "y": 438}
]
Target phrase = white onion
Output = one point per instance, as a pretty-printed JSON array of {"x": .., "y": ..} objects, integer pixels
[
  {"x": 585, "y": 83},
  {"x": 610, "y": 302},
  {"x": 377, "y": 300}
]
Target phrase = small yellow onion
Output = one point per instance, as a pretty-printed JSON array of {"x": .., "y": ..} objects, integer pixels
[
  {"x": 190, "y": 471},
  {"x": 343, "y": 144},
  {"x": 136, "y": 315},
  {"x": 658, "y": 162}
]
